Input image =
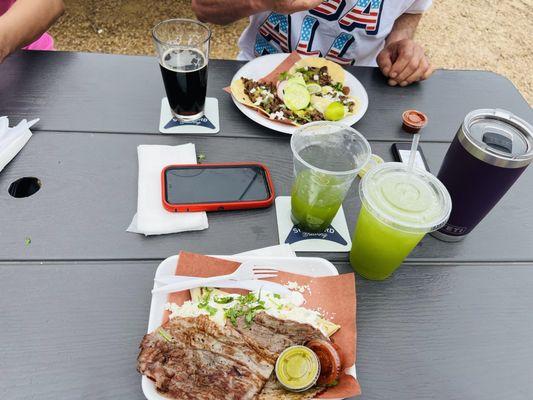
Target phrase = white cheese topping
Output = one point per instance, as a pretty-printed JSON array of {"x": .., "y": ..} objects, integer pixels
[
  {"x": 276, "y": 115},
  {"x": 282, "y": 307}
]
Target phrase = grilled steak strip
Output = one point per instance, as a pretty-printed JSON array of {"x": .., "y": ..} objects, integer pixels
[
  {"x": 205, "y": 361},
  {"x": 202, "y": 361},
  {"x": 275, "y": 335}
]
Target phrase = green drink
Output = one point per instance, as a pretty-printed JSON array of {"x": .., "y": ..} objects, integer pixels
[
  {"x": 398, "y": 208},
  {"x": 327, "y": 157},
  {"x": 315, "y": 200}
]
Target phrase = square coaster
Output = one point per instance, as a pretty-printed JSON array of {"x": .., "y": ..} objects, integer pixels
[
  {"x": 335, "y": 238},
  {"x": 209, "y": 123}
]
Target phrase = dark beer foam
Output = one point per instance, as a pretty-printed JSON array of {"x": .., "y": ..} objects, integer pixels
[{"x": 183, "y": 60}]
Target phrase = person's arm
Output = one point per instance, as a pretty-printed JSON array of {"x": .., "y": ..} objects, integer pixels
[
  {"x": 224, "y": 12},
  {"x": 402, "y": 60},
  {"x": 25, "y": 21}
]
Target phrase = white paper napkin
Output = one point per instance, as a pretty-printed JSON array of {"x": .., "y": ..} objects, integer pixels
[
  {"x": 12, "y": 140},
  {"x": 151, "y": 217}
]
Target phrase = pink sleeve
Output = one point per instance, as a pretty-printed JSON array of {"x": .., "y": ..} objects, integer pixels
[{"x": 45, "y": 42}]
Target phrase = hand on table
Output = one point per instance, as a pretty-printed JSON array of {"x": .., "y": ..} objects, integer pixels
[
  {"x": 292, "y": 6},
  {"x": 404, "y": 62}
]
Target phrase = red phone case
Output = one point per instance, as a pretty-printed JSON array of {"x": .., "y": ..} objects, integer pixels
[{"x": 237, "y": 205}]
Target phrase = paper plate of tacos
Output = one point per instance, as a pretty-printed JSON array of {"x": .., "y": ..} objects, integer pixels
[{"x": 283, "y": 92}]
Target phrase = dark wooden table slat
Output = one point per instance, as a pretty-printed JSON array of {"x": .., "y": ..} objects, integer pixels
[
  {"x": 114, "y": 93},
  {"x": 89, "y": 195}
]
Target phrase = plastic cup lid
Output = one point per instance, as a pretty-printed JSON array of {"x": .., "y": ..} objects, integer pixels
[{"x": 412, "y": 201}]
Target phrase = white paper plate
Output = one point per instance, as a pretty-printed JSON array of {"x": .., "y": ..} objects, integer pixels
[
  {"x": 262, "y": 66},
  {"x": 311, "y": 266}
]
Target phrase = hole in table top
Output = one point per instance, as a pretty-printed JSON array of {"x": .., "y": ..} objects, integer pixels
[{"x": 24, "y": 187}]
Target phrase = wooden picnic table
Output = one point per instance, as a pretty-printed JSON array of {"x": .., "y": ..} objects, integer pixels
[{"x": 454, "y": 322}]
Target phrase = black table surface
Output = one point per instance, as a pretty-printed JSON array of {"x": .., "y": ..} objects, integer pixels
[
  {"x": 71, "y": 331},
  {"x": 113, "y": 93},
  {"x": 89, "y": 195}
]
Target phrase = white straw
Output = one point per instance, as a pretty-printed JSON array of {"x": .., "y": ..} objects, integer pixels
[{"x": 414, "y": 148}]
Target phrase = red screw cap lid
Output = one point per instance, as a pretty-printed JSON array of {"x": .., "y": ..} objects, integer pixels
[{"x": 414, "y": 120}]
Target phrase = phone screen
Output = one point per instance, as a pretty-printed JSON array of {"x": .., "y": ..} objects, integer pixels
[{"x": 215, "y": 184}]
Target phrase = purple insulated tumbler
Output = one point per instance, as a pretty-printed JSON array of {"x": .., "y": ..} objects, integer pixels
[{"x": 488, "y": 154}]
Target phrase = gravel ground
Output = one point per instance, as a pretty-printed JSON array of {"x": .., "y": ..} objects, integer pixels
[{"x": 469, "y": 34}]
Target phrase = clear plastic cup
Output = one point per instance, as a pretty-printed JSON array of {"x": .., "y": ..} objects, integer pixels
[
  {"x": 398, "y": 208},
  {"x": 327, "y": 157}
]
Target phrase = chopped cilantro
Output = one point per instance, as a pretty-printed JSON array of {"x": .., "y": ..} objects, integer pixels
[
  {"x": 207, "y": 294},
  {"x": 247, "y": 306},
  {"x": 334, "y": 383},
  {"x": 248, "y": 318},
  {"x": 211, "y": 310},
  {"x": 205, "y": 298},
  {"x": 283, "y": 76},
  {"x": 248, "y": 298},
  {"x": 232, "y": 314},
  {"x": 27, "y": 241},
  {"x": 164, "y": 334},
  {"x": 223, "y": 300},
  {"x": 338, "y": 87}
]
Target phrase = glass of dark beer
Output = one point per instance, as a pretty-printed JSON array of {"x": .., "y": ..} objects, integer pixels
[{"x": 183, "y": 51}]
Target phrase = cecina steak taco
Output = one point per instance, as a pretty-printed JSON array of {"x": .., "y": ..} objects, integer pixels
[{"x": 311, "y": 90}]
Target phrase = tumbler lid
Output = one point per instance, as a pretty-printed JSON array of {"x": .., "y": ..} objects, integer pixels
[
  {"x": 497, "y": 137},
  {"x": 412, "y": 201}
]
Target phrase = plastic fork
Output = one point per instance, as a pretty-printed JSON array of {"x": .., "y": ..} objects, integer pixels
[
  {"x": 246, "y": 271},
  {"x": 254, "y": 285}
]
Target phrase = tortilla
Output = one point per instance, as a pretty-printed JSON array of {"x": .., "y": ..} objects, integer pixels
[
  {"x": 334, "y": 70},
  {"x": 237, "y": 90}
]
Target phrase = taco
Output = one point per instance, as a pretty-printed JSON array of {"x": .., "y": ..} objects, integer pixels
[
  {"x": 258, "y": 95},
  {"x": 334, "y": 70},
  {"x": 311, "y": 90}
]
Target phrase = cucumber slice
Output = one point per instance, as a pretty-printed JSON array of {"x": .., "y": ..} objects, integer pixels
[
  {"x": 295, "y": 96},
  {"x": 299, "y": 79},
  {"x": 314, "y": 88}
]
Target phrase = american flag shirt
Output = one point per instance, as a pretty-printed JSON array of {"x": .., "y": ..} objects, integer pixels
[{"x": 350, "y": 32}]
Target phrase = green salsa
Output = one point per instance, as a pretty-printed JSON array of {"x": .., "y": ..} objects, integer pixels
[{"x": 297, "y": 368}]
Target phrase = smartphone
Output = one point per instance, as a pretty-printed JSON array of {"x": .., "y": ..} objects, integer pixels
[
  {"x": 216, "y": 187},
  {"x": 402, "y": 151}
]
